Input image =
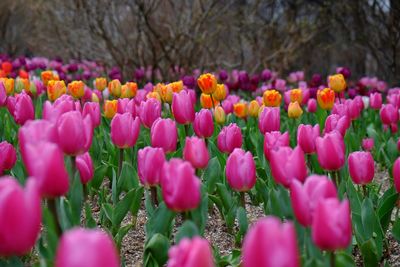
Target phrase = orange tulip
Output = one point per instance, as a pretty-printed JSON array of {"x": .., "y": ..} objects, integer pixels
[
  {"x": 220, "y": 93},
  {"x": 272, "y": 98},
  {"x": 129, "y": 90},
  {"x": 206, "y": 101},
  {"x": 296, "y": 95},
  {"x": 100, "y": 83},
  {"x": 8, "y": 84},
  {"x": 164, "y": 91},
  {"x": 326, "y": 98},
  {"x": 76, "y": 89},
  {"x": 55, "y": 89},
  {"x": 294, "y": 110},
  {"x": 254, "y": 108},
  {"x": 155, "y": 95},
  {"x": 110, "y": 108},
  {"x": 207, "y": 83},
  {"x": 114, "y": 87},
  {"x": 176, "y": 86},
  {"x": 240, "y": 110},
  {"x": 219, "y": 115},
  {"x": 47, "y": 76}
]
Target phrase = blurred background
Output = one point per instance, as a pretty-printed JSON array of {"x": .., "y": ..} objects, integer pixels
[{"x": 311, "y": 35}]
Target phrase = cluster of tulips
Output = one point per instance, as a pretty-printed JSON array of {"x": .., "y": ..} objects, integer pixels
[{"x": 308, "y": 157}]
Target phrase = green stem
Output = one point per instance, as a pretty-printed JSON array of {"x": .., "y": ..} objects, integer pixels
[
  {"x": 187, "y": 129},
  {"x": 121, "y": 159},
  {"x": 242, "y": 200},
  {"x": 153, "y": 193},
  {"x": 212, "y": 101},
  {"x": 332, "y": 257},
  {"x": 51, "y": 204},
  {"x": 364, "y": 188},
  {"x": 73, "y": 167}
]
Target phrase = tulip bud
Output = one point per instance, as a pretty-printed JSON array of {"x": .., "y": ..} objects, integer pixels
[
  {"x": 129, "y": 90},
  {"x": 164, "y": 134},
  {"x": 271, "y": 243},
  {"x": 76, "y": 89},
  {"x": 361, "y": 167},
  {"x": 8, "y": 84},
  {"x": 23, "y": 109},
  {"x": 331, "y": 226},
  {"x": 149, "y": 112},
  {"x": 196, "y": 152},
  {"x": 110, "y": 108},
  {"x": 326, "y": 98},
  {"x": 3, "y": 95},
  {"x": 306, "y": 135},
  {"x": 150, "y": 162},
  {"x": 191, "y": 253},
  {"x": 220, "y": 93},
  {"x": 8, "y": 156},
  {"x": 331, "y": 151},
  {"x": 125, "y": 130},
  {"x": 396, "y": 174},
  {"x": 269, "y": 120},
  {"x": 114, "y": 87},
  {"x": 312, "y": 105},
  {"x": 338, "y": 123},
  {"x": 254, "y": 108},
  {"x": 274, "y": 140},
  {"x": 240, "y": 110},
  {"x": 203, "y": 124},
  {"x": 287, "y": 164},
  {"x": 294, "y": 110},
  {"x": 219, "y": 115},
  {"x": 181, "y": 188},
  {"x": 389, "y": 114},
  {"x": 207, "y": 101},
  {"x": 92, "y": 109},
  {"x": 241, "y": 170},
  {"x": 48, "y": 76},
  {"x": 84, "y": 164},
  {"x": 55, "y": 89},
  {"x": 296, "y": 95},
  {"x": 304, "y": 198},
  {"x": 229, "y": 138},
  {"x": 86, "y": 247},
  {"x": 375, "y": 100},
  {"x": 100, "y": 83},
  {"x": 368, "y": 144},
  {"x": 207, "y": 83},
  {"x": 337, "y": 83},
  {"x": 22, "y": 214},
  {"x": 272, "y": 98},
  {"x": 182, "y": 107}
]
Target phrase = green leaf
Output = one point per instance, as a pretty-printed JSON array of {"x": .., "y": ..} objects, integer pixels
[
  {"x": 90, "y": 222},
  {"x": 160, "y": 222},
  {"x": 156, "y": 248},
  {"x": 75, "y": 197},
  {"x": 128, "y": 178},
  {"x": 225, "y": 196},
  {"x": 385, "y": 207},
  {"x": 321, "y": 115},
  {"x": 114, "y": 189},
  {"x": 200, "y": 214},
  {"x": 369, "y": 253},
  {"x": 242, "y": 220},
  {"x": 396, "y": 229},
  {"x": 367, "y": 213},
  {"x": 188, "y": 229},
  {"x": 98, "y": 176},
  {"x": 122, "y": 208},
  {"x": 344, "y": 260},
  {"x": 122, "y": 232},
  {"x": 137, "y": 200},
  {"x": 212, "y": 174}
]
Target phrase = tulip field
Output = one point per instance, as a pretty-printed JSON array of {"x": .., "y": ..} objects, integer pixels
[{"x": 290, "y": 170}]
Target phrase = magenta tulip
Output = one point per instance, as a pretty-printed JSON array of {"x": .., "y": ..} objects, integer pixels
[
  {"x": 269, "y": 120},
  {"x": 305, "y": 197},
  {"x": 86, "y": 247},
  {"x": 164, "y": 134},
  {"x": 8, "y": 156},
  {"x": 149, "y": 112},
  {"x": 331, "y": 226},
  {"x": 288, "y": 164},
  {"x": 196, "y": 152},
  {"x": 312, "y": 105},
  {"x": 306, "y": 135},
  {"x": 45, "y": 163},
  {"x": 63, "y": 104},
  {"x": 23, "y": 110},
  {"x": 353, "y": 108},
  {"x": 182, "y": 107},
  {"x": 84, "y": 164},
  {"x": 375, "y": 100},
  {"x": 273, "y": 141},
  {"x": 203, "y": 124},
  {"x": 271, "y": 243},
  {"x": 3, "y": 95},
  {"x": 396, "y": 175},
  {"x": 368, "y": 144},
  {"x": 92, "y": 109},
  {"x": 241, "y": 170},
  {"x": 229, "y": 138},
  {"x": 150, "y": 163},
  {"x": 389, "y": 114},
  {"x": 181, "y": 188},
  {"x": 126, "y": 105},
  {"x": 74, "y": 132},
  {"x": 22, "y": 215},
  {"x": 337, "y": 122},
  {"x": 124, "y": 130},
  {"x": 194, "y": 252},
  {"x": 361, "y": 167},
  {"x": 331, "y": 151},
  {"x": 340, "y": 109}
]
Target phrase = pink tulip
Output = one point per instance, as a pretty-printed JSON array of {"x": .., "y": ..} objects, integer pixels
[
  {"x": 86, "y": 247},
  {"x": 8, "y": 156},
  {"x": 21, "y": 213},
  {"x": 124, "y": 130},
  {"x": 181, "y": 188},
  {"x": 305, "y": 197},
  {"x": 196, "y": 152},
  {"x": 353, "y": 108},
  {"x": 271, "y": 243},
  {"x": 149, "y": 112},
  {"x": 229, "y": 138},
  {"x": 164, "y": 134},
  {"x": 375, "y": 100},
  {"x": 331, "y": 226},
  {"x": 312, "y": 105},
  {"x": 273, "y": 141},
  {"x": 92, "y": 109},
  {"x": 361, "y": 167},
  {"x": 306, "y": 135},
  {"x": 337, "y": 122},
  {"x": 340, "y": 109},
  {"x": 63, "y": 104},
  {"x": 75, "y": 133},
  {"x": 227, "y": 105},
  {"x": 45, "y": 163},
  {"x": 368, "y": 144},
  {"x": 331, "y": 151},
  {"x": 3, "y": 95},
  {"x": 241, "y": 170},
  {"x": 288, "y": 164},
  {"x": 203, "y": 124},
  {"x": 150, "y": 163},
  {"x": 23, "y": 110},
  {"x": 11, "y": 105},
  {"x": 126, "y": 105},
  {"x": 396, "y": 174},
  {"x": 269, "y": 120},
  {"x": 182, "y": 107},
  {"x": 194, "y": 252},
  {"x": 84, "y": 165},
  {"x": 389, "y": 114}
]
